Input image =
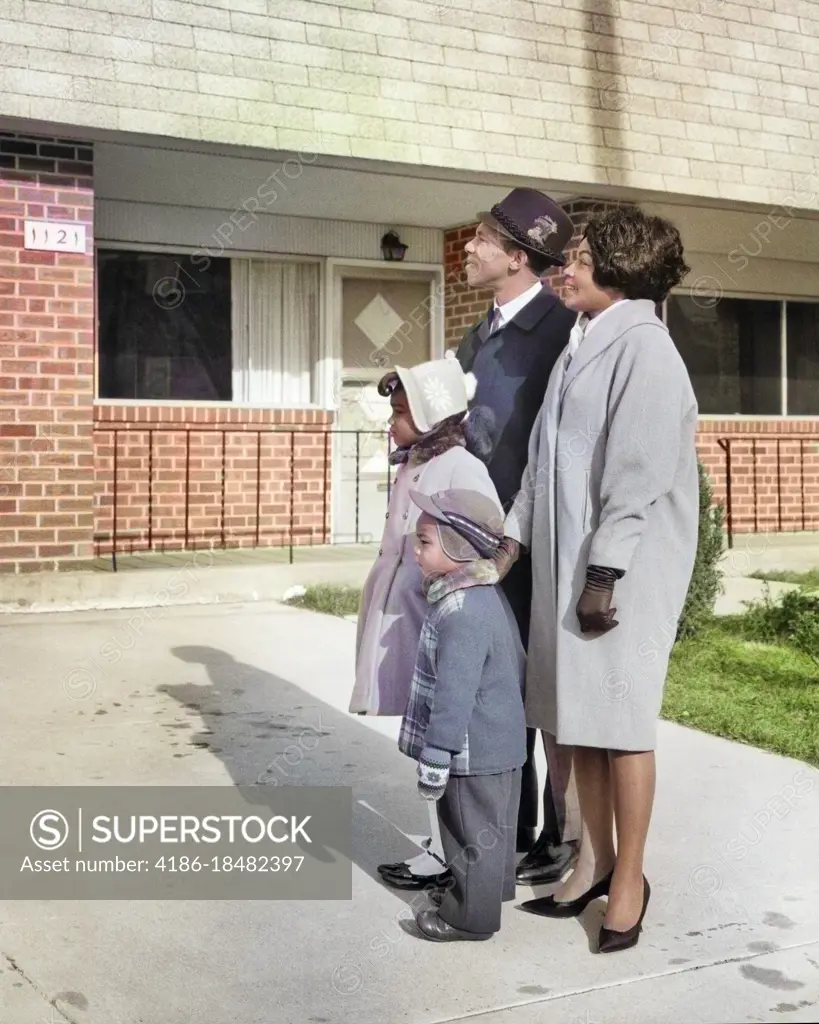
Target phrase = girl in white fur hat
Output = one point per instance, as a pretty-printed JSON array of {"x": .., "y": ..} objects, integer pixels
[{"x": 429, "y": 407}]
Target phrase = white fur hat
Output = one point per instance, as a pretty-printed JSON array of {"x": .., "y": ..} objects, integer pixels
[{"x": 436, "y": 390}]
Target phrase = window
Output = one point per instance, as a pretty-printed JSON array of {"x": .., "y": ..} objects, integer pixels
[
  {"x": 164, "y": 333},
  {"x": 182, "y": 328},
  {"x": 803, "y": 358},
  {"x": 275, "y": 331},
  {"x": 732, "y": 349}
]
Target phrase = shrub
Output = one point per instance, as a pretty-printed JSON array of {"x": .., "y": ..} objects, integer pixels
[
  {"x": 793, "y": 619},
  {"x": 706, "y": 579}
]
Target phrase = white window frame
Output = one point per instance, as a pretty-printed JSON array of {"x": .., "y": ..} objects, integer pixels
[
  {"x": 239, "y": 254},
  {"x": 783, "y": 301}
]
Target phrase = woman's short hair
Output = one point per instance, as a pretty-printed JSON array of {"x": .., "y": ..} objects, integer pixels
[{"x": 636, "y": 254}]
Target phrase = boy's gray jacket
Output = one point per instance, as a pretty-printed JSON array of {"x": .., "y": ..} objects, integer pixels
[
  {"x": 467, "y": 688},
  {"x": 611, "y": 480}
]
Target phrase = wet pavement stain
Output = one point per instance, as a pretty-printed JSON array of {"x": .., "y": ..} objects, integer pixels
[
  {"x": 762, "y": 947},
  {"x": 75, "y": 999},
  {"x": 533, "y": 990},
  {"x": 790, "y": 1007},
  {"x": 679, "y": 960},
  {"x": 778, "y": 920},
  {"x": 769, "y": 978}
]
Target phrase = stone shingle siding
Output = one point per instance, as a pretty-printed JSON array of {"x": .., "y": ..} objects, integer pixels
[{"x": 699, "y": 97}]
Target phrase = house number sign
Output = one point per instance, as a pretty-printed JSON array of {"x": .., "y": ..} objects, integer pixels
[{"x": 55, "y": 236}]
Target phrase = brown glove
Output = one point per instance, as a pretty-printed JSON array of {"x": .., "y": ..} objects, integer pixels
[
  {"x": 594, "y": 611},
  {"x": 505, "y": 557}
]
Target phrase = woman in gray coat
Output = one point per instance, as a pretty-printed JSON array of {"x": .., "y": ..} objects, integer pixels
[{"x": 608, "y": 508}]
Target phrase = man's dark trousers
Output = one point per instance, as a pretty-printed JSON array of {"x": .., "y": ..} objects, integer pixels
[{"x": 517, "y": 585}]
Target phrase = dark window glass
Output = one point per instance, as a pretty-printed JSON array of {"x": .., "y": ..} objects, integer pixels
[
  {"x": 164, "y": 327},
  {"x": 732, "y": 351},
  {"x": 803, "y": 358}
]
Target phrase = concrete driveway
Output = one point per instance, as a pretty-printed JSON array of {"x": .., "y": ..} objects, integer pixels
[{"x": 211, "y": 696}]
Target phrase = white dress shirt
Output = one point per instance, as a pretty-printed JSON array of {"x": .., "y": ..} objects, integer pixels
[{"x": 510, "y": 309}]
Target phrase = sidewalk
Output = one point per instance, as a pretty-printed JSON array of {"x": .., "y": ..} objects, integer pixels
[
  {"x": 211, "y": 695},
  {"x": 156, "y": 580}
]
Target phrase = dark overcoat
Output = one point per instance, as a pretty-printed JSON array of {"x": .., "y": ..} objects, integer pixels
[{"x": 512, "y": 368}]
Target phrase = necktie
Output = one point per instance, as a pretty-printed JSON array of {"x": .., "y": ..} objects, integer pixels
[{"x": 493, "y": 320}]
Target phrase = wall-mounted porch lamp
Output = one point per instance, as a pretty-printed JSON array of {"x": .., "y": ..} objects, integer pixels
[{"x": 392, "y": 248}]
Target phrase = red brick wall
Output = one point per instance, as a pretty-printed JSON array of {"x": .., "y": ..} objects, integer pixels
[
  {"x": 165, "y": 452},
  {"x": 774, "y": 472},
  {"x": 46, "y": 358},
  {"x": 463, "y": 306}
]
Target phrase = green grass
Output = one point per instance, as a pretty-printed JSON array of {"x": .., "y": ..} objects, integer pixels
[
  {"x": 330, "y": 599},
  {"x": 810, "y": 578},
  {"x": 764, "y": 694}
]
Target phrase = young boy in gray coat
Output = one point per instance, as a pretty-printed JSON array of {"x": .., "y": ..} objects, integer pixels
[{"x": 465, "y": 722}]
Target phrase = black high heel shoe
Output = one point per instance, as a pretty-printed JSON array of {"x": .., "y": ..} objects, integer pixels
[
  {"x": 611, "y": 941},
  {"x": 548, "y": 906}
]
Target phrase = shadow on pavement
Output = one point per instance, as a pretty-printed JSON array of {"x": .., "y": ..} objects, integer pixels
[{"x": 271, "y": 733}]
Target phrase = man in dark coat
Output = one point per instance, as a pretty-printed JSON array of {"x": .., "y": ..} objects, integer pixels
[{"x": 512, "y": 352}]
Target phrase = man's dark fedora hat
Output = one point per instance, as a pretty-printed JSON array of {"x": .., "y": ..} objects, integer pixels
[{"x": 534, "y": 221}]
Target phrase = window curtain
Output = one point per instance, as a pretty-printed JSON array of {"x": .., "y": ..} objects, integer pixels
[{"x": 275, "y": 332}]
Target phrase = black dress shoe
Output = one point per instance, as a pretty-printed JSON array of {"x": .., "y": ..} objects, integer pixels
[
  {"x": 548, "y": 906},
  {"x": 410, "y": 882},
  {"x": 435, "y": 929},
  {"x": 395, "y": 868},
  {"x": 611, "y": 941},
  {"x": 546, "y": 862},
  {"x": 526, "y": 840}
]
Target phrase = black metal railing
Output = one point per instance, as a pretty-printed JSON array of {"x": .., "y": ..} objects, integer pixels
[
  {"x": 771, "y": 484},
  {"x": 137, "y": 484}
]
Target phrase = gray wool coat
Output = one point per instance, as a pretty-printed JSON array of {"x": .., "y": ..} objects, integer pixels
[{"x": 611, "y": 480}]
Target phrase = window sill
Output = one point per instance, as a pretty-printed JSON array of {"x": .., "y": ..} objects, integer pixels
[
  {"x": 197, "y": 404},
  {"x": 751, "y": 418}
]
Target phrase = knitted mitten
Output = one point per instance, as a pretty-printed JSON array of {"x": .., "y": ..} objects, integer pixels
[{"x": 433, "y": 772}]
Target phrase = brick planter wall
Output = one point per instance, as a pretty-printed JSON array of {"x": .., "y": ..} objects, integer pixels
[
  {"x": 46, "y": 358},
  {"x": 170, "y": 489}
]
